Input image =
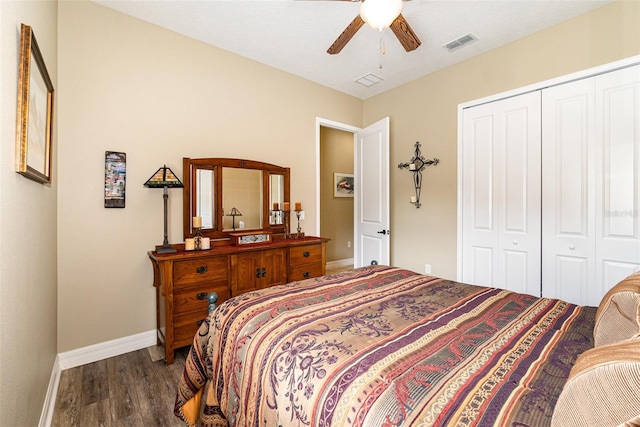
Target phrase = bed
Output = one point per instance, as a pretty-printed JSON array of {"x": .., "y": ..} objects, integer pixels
[{"x": 383, "y": 346}]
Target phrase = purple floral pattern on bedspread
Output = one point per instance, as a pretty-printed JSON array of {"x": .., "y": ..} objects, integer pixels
[
  {"x": 300, "y": 362},
  {"x": 382, "y": 346}
]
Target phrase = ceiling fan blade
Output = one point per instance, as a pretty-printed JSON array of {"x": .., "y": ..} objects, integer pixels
[
  {"x": 405, "y": 34},
  {"x": 346, "y": 35}
]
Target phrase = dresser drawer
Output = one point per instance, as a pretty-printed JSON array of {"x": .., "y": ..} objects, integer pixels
[
  {"x": 310, "y": 254},
  {"x": 307, "y": 271},
  {"x": 185, "y": 327},
  {"x": 193, "y": 299},
  {"x": 204, "y": 270}
]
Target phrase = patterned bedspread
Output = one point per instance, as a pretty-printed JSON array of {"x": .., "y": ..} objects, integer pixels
[{"x": 382, "y": 346}]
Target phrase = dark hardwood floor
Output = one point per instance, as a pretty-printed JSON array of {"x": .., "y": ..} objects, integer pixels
[{"x": 134, "y": 389}]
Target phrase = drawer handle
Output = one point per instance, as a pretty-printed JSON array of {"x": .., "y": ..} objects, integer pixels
[
  {"x": 201, "y": 270},
  {"x": 200, "y": 322},
  {"x": 258, "y": 273},
  {"x": 306, "y": 254},
  {"x": 202, "y": 295},
  {"x": 306, "y": 274},
  {"x": 264, "y": 272}
]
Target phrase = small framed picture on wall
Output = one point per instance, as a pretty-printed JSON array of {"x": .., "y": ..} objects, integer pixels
[
  {"x": 343, "y": 184},
  {"x": 115, "y": 173}
]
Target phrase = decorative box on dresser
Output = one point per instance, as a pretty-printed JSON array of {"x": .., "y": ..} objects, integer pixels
[{"x": 185, "y": 278}]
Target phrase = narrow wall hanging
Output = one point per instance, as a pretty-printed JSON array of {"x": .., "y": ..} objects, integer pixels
[
  {"x": 115, "y": 173},
  {"x": 416, "y": 165}
]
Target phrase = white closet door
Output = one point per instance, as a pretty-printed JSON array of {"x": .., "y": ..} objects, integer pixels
[
  {"x": 591, "y": 185},
  {"x": 501, "y": 194},
  {"x": 568, "y": 214},
  {"x": 618, "y": 178}
]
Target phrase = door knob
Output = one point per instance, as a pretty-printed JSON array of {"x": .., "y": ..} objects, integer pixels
[{"x": 384, "y": 232}]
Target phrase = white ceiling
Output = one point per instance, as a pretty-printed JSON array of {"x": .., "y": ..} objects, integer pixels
[{"x": 294, "y": 35}]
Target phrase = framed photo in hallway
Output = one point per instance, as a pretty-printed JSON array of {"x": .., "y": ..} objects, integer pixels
[{"x": 343, "y": 184}]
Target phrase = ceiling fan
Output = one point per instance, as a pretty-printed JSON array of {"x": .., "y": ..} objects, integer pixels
[{"x": 380, "y": 14}]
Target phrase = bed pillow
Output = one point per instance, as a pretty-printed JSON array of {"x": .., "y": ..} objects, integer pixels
[
  {"x": 602, "y": 389},
  {"x": 618, "y": 315}
]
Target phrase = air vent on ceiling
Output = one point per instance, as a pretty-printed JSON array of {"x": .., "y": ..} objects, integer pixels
[
  {"x": 369, "y": 80},
  {"x": 460, "y": 42}
]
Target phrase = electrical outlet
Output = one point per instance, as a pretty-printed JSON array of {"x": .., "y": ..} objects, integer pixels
[
  {"x": 349, "y": 244},
  {"x": 427, "y": 269}
]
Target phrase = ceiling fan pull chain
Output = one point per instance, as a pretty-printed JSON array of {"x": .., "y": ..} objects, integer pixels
[{"x": 382, "y": 50}]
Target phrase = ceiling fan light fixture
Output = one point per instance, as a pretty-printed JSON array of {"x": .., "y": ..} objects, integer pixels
[{"x": 379, "y": 14}]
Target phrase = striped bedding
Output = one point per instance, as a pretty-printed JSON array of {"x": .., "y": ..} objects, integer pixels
[{"x": 382, "y": 346}]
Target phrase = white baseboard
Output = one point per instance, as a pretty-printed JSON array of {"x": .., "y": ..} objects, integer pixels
[
  {"x": 46, "y": 417},
  {"x": 89, "y": 354},
  {"x": 339, "y": 263},
  {"x": 104, "y": 350}
]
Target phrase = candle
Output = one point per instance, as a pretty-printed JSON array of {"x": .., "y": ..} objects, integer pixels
[
  {"x": 276, "y": 206},
  {"x": 197, "y": 222},
  {"x": 298, "y": 206},
  {"x": 413, "y": 199},
  {"x": 205, "y": 243},
  {"x": 412, "y": 167},
  {"x": 189, "y": 244},
  {"x": 286, "y": 207}
]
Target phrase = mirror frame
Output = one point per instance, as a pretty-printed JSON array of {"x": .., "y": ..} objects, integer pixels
[{"x": 189, "y": 168}]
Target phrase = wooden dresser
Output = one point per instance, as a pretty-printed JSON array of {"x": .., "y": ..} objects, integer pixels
[{"x": 183, "y": 280}]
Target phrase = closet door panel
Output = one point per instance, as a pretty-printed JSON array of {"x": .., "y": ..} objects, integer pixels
[
  {"x": 483, "y": 171},
  {"x": 571, "y": 270},
  {"x": 515, "y": 272},
  {"x": 567, "y": 191},
  {"x": 480, "y": 265},
  {"x": 618, "y": 177},
  {"x": 479, "y": 236},
  {"x": 501, "y": 194},
  {"x": 519, "y": 190}
]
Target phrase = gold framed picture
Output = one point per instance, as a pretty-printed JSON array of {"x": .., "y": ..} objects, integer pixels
[{"x": 35, "y": 111}]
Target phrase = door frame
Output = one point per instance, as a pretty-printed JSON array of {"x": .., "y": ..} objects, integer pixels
[{"x": 320, "y": 122}]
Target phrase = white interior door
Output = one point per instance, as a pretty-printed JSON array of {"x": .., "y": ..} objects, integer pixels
[
  {"x": 371, "y": 176},
  {"x": 500, "y": 194}
]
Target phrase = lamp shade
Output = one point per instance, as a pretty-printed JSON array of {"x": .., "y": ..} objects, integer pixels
[
  {"x": 379, "y": 14},
  {"x": 164, "y": 177},
  {"x": 234, "y": 212}
]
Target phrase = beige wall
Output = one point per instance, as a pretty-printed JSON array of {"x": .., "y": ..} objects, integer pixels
[
  {"x": 426, "y": 110},
  {"x": 28, "y": 285},
  {"x": 129, "y": 86},
  {"x": 336, "y": 213}
]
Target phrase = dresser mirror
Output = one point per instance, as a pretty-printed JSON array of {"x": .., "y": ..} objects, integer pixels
[{"x": 233, "y": 195}]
